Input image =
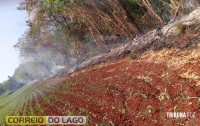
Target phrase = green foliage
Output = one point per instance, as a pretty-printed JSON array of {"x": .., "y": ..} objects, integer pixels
[
  {"x": 162, "y": 8},
  {"x": 135, "y": 9},
  {"x": 2, "y": 88},
  {"x": 180, "y": 28}
]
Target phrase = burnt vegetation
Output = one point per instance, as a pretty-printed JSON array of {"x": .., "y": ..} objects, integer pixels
[
  {"x": 141, "y": 67},
  {"x": 64, "y": 33}
]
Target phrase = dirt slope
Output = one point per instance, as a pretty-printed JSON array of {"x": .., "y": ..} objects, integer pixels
[{"x": 128, "y": 92}]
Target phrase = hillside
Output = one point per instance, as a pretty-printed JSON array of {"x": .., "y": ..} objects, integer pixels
[
  {"x": 119, "y": 62},
  {"x": 121, "y": 92}
]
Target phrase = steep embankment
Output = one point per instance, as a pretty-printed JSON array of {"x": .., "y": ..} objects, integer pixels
[
  {"x": 161, "y": 74},
  {"x": 127, "y": 91}
]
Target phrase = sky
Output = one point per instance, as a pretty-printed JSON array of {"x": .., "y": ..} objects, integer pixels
[{"x": 12, "y": 27}]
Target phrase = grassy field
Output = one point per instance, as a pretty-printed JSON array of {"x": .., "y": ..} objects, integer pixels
[
  {"x": 15, "y": 102},
  {"x": 11, "y": 102}
]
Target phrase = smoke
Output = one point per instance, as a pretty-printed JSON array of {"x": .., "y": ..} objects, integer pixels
[{"x": 50, "y": 61}]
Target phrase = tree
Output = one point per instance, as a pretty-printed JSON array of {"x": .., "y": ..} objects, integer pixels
[
  {"x": 130, "y": 17},
  {"x": 79, "y": 28},
  {"x": 79, "y": 19},
  {"x": 151, "y": 11}
]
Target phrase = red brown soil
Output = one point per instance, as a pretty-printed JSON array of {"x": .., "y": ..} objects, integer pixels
[{"x": 126, "y": 93}]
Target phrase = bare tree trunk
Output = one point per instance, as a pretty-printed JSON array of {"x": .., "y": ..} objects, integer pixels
[
  {"x": 150, "y": 9},
  {"x": 132, "y": 20}
]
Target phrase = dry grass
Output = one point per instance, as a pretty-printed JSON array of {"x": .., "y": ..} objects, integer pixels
[
  {"x": 189, "y": 74},
  {"x": 174, "y": 58},
  {"x": 145, "y": 78}
]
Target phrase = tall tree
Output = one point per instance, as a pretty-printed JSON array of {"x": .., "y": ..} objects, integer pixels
[
  {"x": 151, "y": 11},
  {"x": 130, "y": 17}
]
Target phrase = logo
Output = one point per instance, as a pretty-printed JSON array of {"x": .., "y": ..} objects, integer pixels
[
  {"x": 180, "y": 115},
  {"x": 41, "y": 120}
]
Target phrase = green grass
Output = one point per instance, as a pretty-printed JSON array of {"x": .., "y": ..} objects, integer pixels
[
  {"x": 13, "y": 103},
  {"x": 10, "y": 103}
]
